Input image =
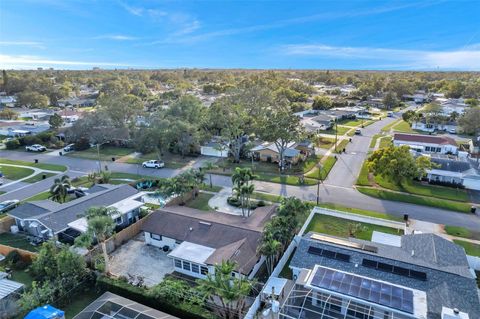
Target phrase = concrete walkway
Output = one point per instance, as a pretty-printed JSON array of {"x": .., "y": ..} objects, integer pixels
[
  {"x": 219, "y": 202},
  {"x": 35, "y": 172}
]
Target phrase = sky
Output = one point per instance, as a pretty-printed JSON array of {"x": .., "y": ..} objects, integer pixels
[{"x": 262, "y": 34}]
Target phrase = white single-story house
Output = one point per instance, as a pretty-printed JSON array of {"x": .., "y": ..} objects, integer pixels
[
  {"x": 432, "y": 127},
  {"x": 45, "y": 219},
  {"x": 454, "y": 170},
  {"x": 426, "y": 143},
  {"x": 214, "y": 149},
  {"x": 197, "y": 241}
]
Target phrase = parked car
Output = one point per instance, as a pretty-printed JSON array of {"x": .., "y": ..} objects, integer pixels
[
  {"x": 153, "y": 164},
  {"x": 36, "y": 148},
  {"x": 358, "y": 131},
  {"x": 452, "y": 131},
  {"x": 69, "y": 148},
  {"x": 8, "y": 204},
  {"x": 390, "y": 114}
]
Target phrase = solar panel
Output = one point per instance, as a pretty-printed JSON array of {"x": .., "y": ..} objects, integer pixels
[
  {"x": 345, "y": 243},
  {"x": 328, "y": 254},
  {"x": 401, "y": 271},
  {"x": 364, "y": 288}
]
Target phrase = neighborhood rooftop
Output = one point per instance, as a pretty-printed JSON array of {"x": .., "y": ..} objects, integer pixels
[{"x": 440, "y": 140}]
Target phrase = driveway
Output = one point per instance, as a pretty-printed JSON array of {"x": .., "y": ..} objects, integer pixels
[{"x": 135, "y": 258}]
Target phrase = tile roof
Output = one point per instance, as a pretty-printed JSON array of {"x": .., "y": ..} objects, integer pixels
[{"x": 440, "y": 140}]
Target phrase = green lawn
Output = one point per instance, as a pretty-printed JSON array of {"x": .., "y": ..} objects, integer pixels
[
  {"x": 21, "y": 276},
  {"x": 403, "y": 127},
  {"x": 46, "y": 166},
  {"x": 106, "y": 153},
  {"x": 285, "y": 179},
  {"x": 38, "y": 177},
  {"x": 363, "y": 176},
  {"x": 325, "y": 142},
  {"x": 267, "y": 197},
  {"x": 341, "y": 130},
  {"x": 325, "y": 170},
  {"x": 206, "y": 187},
  {"x": 286, "y": 271},
  {"x": 17, "y": 241},
  {"x": 174, "y": 161},
  {"x": 80, "y": 301},
  {"x": 200, "y": 202},
  {"x": 462, "y": 232},
  {"x": 388, "y": 127},
  {"x": 343, "y": 144},
  {"x": 414, "y": 199},
  {"x": 357, "y": 122},
  {"x": 340, "y": 227},
  {"x": 374, "y": 140},
  {"x": 14, "y": 173},
  {"x": 417, "y": 188},
  {"x": 470, "y": 248},
  {"x": 385, "y": 141},
  {"x": 39, "y": 196}
]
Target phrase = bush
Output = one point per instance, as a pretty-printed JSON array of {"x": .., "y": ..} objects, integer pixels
[
  {"x": 447, "y": 184},
  {"x": 30, "y": 140},
  {"x": 14, "y": 260},
  {"x": 82, "y": 144},
  {"x": 46, "y": 137},
  {"x": 260, "y": 203},
  {"x": 12, "y": 145}
]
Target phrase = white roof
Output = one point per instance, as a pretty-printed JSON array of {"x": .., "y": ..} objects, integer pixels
[
  {"x": 275, "y": 283},
  {"x": 8, "y": 287},
  {"x": 444, "y": 173},
  {"x": 128, "y": 204},
  {"x": 192, "y": 252},
  {"x": 80, "y": 224},
  {"x": 386, "y": 239}
]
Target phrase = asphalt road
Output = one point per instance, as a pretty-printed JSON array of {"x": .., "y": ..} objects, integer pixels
[{"x": 338, "y": 188}]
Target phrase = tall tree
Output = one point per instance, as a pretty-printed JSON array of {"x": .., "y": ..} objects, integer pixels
[
  {"x": 270, "y": 248},
  {"x": 55, "y": 121},
  {"x": 322, "y": 102},
  {"x": 390, "y": 100},
  {"x": 227, "y": 294},
  {"x": 470, "y": 121},
  {"x": 59, "y": 189}
]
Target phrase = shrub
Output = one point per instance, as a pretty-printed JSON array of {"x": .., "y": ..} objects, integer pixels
[
  {"x": 30, "y": 140},
  {"x": 13, "y": 258},
  {"x": 12, "y": 145},
  {"x": 82, "y": 144}
]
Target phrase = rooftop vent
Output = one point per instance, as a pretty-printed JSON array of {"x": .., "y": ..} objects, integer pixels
[
  {"x": 205, "y": 223},
  {"x": 449, "y": 313}
]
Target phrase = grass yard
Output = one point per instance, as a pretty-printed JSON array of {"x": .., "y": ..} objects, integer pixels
[
  {"x": 357, "y": 122},
  {"x": 403, "y": 127},
  {"x": 325, "y": 142},
  {"x": 414, "y": 199},
  {"x": 286, "y": 271},
  {"x": 80, "y": 301},
  {"x": 343, "y": 144},
  {"x": 374, "y": 140},
  {"x": 38, "y": 177},
  {"x": 388, "y": 127},
  {"x": 45, "y": 166},
  {"x": 106, "y": 153},
  {"x": 267, "y": 197},
  {"x": 341, "y": 130},
  {"x": 359, "y": 211},
  {"x": 201, "y": 202},
  {"x": 17, "y": 241},
  {"x": 285, "y": 179},
  {"x": 417, "y": 188},
  {"x": 206, "y": 187},
  {"x": 15, "y": 173},
  {"x": 341, "y": 227},
  {"x": 174, "y": 161},
  {"x": 470, "y": 248},
  {"x": 362, "y": 179},
  {"x": 39, "y": 196},
  {"x": 462, "y": 232},
  {"x": 385, "y": 141},
  {"x": 325, "y": 170}
]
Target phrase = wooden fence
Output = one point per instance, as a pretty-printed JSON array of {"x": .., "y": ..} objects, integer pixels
[
  {"x": 26, "y": 255},
  {"x": 5, "y": 224}
]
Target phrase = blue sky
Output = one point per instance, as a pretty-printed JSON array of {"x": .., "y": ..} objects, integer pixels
[{"x": 398, "y": 35}]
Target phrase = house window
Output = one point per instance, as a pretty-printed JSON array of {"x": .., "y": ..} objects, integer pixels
[
  {"x": 178, "y": 263},
  {"x": 427, "y": 148},
  {"x": 439, "y": 149},
  {"x": 186, "y": 265},
  {"x": 156, "y": 237},
  {"x": 233, "y": 274},
  {"x": 204, "y": 270},
  {"x": 118, "y": 220},
  {"x": 195, "y": 268},
  {"x": 178, "y": 242}
]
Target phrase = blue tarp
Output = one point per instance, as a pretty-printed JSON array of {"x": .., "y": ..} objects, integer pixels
[{"x": 45, "y": 312}]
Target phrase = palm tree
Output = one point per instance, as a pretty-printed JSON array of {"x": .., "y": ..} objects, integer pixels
[
  {"x": 59, "y": 189},
  {"x": 209, "y": 166},
  {"x": 247, "y": 191},
  {"x": 100, "y": 226},
  {"x": 226, "y": 293},
  {"x": 105, "y": 177},
  {"x": 270, "y": 248},
  {"x": 92, "y": 177},
  {"x": 242, "y": 176}
]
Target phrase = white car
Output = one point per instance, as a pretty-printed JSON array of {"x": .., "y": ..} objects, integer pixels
[
  {"x": 36, "y": 148},
  {"x": 358, "y": 131},
  {"x": 69, "y": 148},
  {"x": 8, "y": 204},
  {"x": 153, "y": 164},
  {"x": 452, "y": 131}
]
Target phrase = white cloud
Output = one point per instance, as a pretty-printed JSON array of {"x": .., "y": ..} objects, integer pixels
[
  {"x": 33, "y": 44},
  {"x": 465, "y": 58},
  {"x": 30, "y": 61},
  {"x": 116, "y": 37}
]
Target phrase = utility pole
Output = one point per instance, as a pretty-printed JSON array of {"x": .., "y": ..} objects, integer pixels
[
  {"x": 318, "y": 182},
  {"x": 336, "y": 134},
  {"x": 98, "y": 155}
]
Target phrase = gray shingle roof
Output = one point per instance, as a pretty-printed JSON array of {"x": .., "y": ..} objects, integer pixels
[
  {"x": 33, "y": 209},
  {"x": 58, "y": 220},
  {"x": 449, "y": 282}
]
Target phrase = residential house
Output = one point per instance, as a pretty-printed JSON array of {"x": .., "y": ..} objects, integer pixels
[
  {"x": 214, "y": 149},
  {"x": 454, "y": 170},
  {"x": 112, "y": 306},
  {"x": 474, "y": 146},
  {"x": 9, "y": 290},
  {"x": 8, "y": 101},
  {"x": 46, "y": 219},
  {"x": 419, "y": 97},
  {"x": 269, "y": 152},
  {"x": 316, "y": 124},
  {"x": 453, "y": 105},
  {"x": 424, "y": 126},
  {"x": 424, "y": 277},
  {"x": 199, "y": 240},
  {"x": 22, "y": 128},
  {"x": 426, "y": 143}
]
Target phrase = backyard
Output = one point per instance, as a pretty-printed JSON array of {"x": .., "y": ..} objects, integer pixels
[
  {"x": 17, "y": 241},
  {"x": 344, "y": 228}
]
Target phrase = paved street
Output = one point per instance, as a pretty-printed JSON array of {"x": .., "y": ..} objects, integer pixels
[{"x": 337, "y": 188}]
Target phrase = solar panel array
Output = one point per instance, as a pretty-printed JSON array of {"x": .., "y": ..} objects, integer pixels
[
  {"x": 363, "y": 288},
  {"x": 401, "y": 271},
  {"x": 328, "y": 254}
]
